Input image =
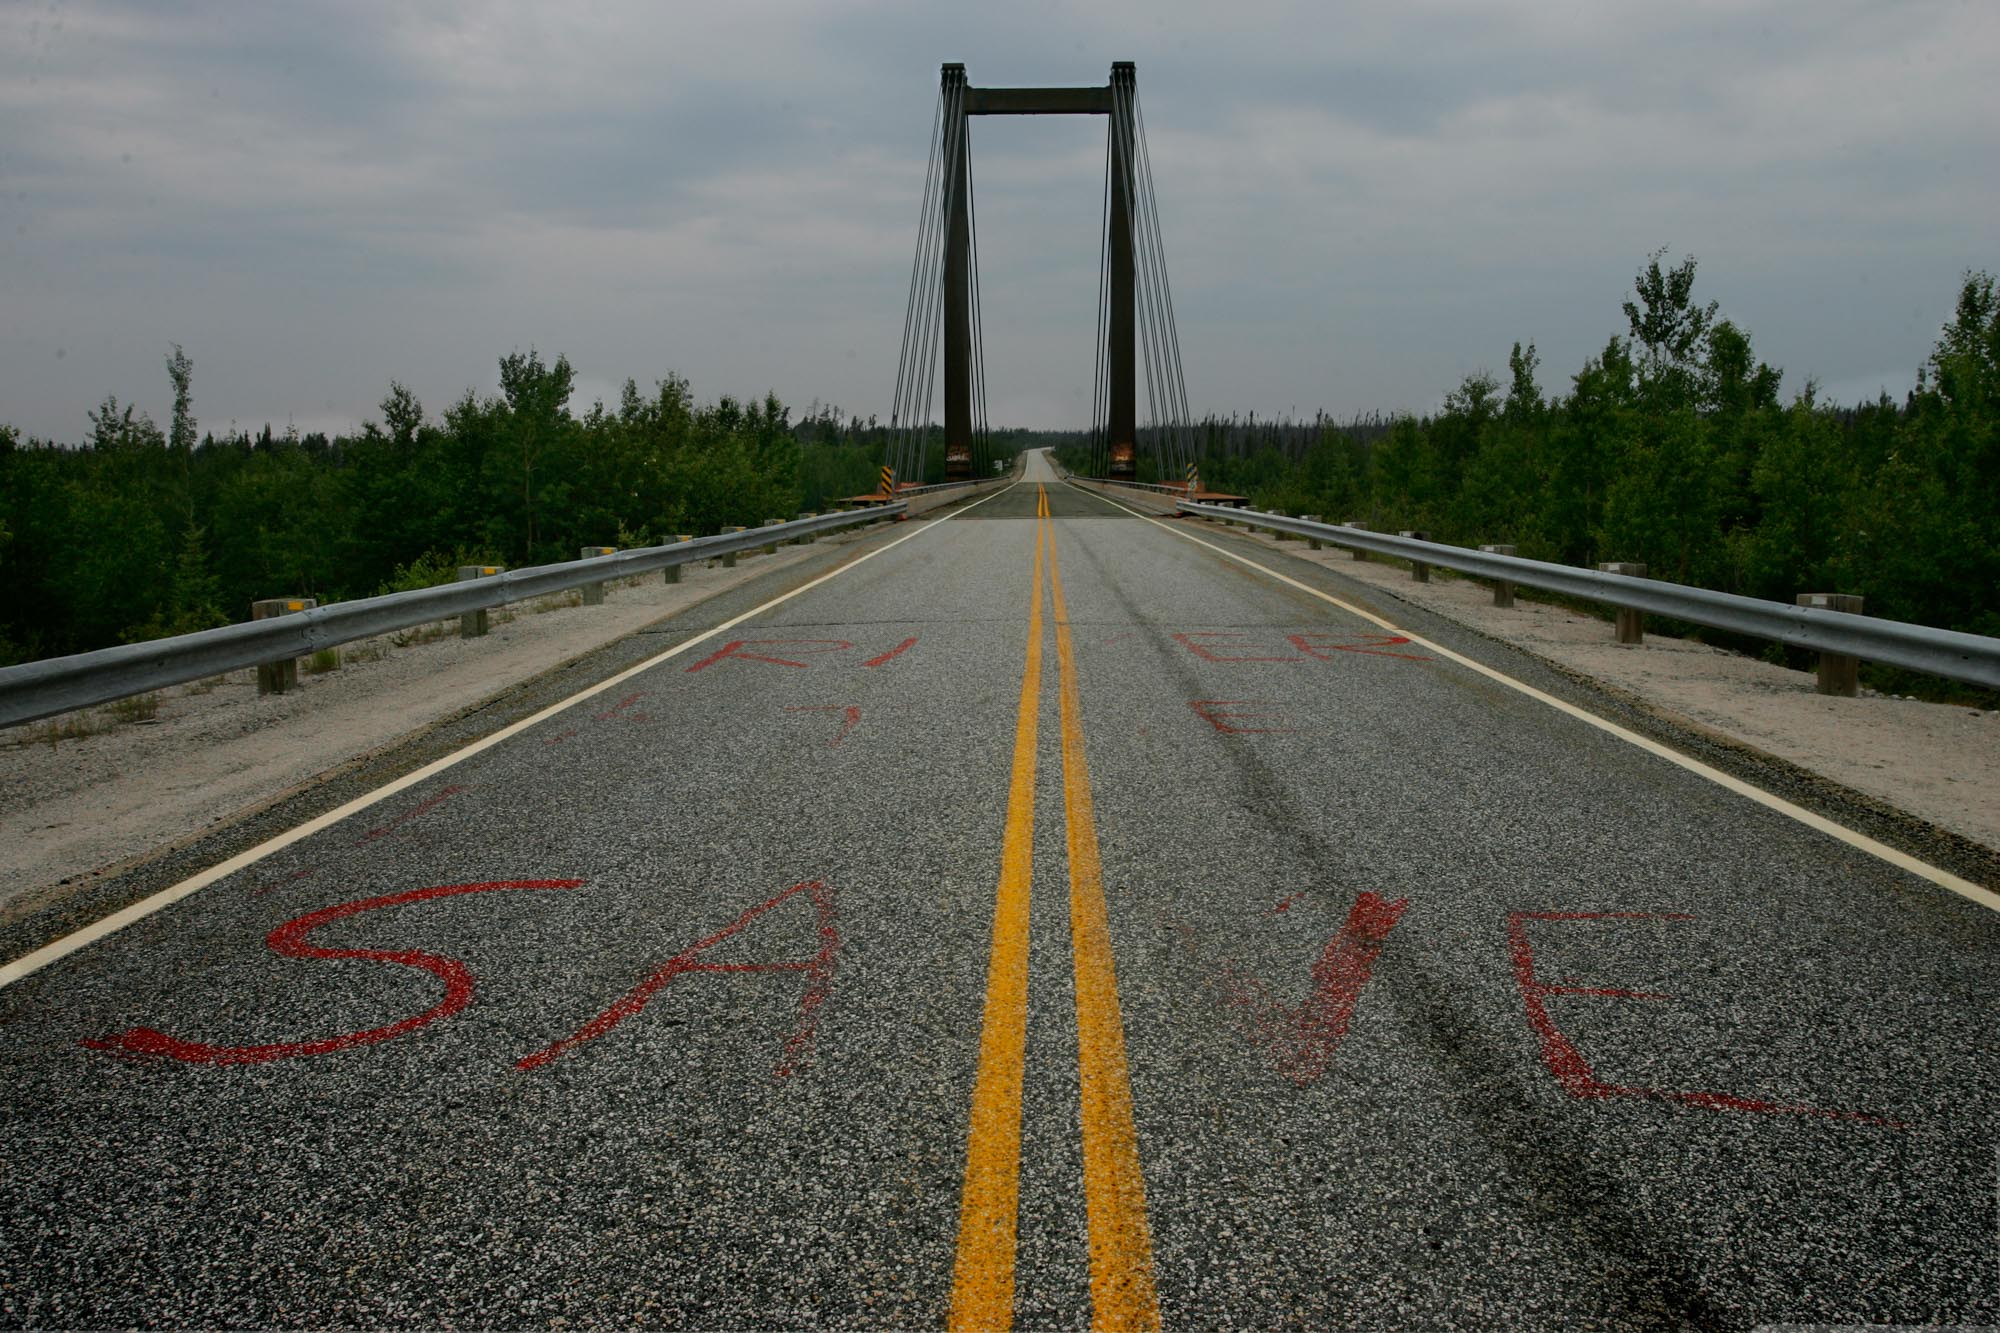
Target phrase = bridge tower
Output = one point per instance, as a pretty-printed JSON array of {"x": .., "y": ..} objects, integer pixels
[
  {"x": 1134, "y": 304},
  {"x": 1120, "y": 357}
]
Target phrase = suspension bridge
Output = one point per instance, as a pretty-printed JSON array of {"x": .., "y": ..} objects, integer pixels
[
  {"x": 1055, "y": 910},
  {"x": 1135, "y": 306}
]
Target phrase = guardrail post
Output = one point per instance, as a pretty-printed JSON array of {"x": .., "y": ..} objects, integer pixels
[
  {"x": 1312, "y": 543},
  {"x": 1279, "y": 534},
  {"x": 672, "y": 573},
  {"x": 1419, "y": 571},
  {"x": 1631, "y": 621},
  {"x": 1358, "y": 526},
  {"x": 593, "y": 593},
  {"x": 809, "y": 537},
  {"x": 472, "y": 624},
  {"x": 277, "y": 677},
  {"x": 1838, "y": 673},
  {"x": 772, "y": 548},
  {"x": 1503, "y": 589},
  {"x": 728, "y": 561}
]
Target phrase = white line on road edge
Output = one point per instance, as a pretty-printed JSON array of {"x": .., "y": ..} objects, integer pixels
[
  {"x": 1901, "y": 860},
  {"x": 30, "y": 963}
]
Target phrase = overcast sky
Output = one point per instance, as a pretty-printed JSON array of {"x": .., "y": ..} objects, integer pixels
[{"x": 1361, "y": 203}]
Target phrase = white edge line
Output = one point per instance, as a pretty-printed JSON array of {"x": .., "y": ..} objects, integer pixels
[
  {"x": 30, "y": 963},
  {"x": 1901, "y": 860}
]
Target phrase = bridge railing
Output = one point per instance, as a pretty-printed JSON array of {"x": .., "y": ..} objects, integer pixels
[
  {"x": 54, "y": 685},
  {"x": 1952, "y": 654}
]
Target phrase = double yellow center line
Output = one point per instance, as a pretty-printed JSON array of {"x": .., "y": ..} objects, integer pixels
[{"x": 1121, "y": 1253}]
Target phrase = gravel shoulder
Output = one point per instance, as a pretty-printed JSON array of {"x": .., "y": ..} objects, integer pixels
[{"x": 1939, "y": 763}]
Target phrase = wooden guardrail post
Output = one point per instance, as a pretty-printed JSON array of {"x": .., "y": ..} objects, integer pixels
[
  {"x": 1279, "y": 534},
  {"x": 728, "y": 561},
  {"x": 1419, "y": 570},
  {"x": 1358, "y": 526},
  {"x": 772, "y": 547},
  {"x": 810, "y": 537},
  {"x": 1503, "y": 589},
  {"x": 593, "y": 593},
  {"x": 472, "y": 624},
  {"x": 1839, "y": 674},
  {"x": 1312, "y": 543},
  {"x": 1631, "y": 621},
  {"x": 672, "y": 573},
  {"x": 277, "y": 677}
]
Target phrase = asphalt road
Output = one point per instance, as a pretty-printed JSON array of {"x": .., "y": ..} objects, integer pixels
[{"x": 1249, "y": 967}]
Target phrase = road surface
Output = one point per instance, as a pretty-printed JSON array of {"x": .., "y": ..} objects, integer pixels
[{"x": 1032, "y": 917}]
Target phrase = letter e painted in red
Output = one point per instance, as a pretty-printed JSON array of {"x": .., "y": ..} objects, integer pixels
[{"x": 1574, "y": 1074}]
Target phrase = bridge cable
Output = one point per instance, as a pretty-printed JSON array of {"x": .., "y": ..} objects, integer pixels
[
  {"x": 905, "y": 365},
  {"x": 1183, "y": 414}
]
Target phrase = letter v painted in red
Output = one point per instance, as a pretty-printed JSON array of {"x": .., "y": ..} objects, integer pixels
[{"x": 1302, "y": 1038}]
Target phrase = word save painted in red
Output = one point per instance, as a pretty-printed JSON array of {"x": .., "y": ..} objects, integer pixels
[
  {"x": 787, "y": 652},
  {"x": 1574, "y": 1074},
  {"x": 818, "y": 971},
  {"x": 292, "y": 940},
  {"x": 1303, "y": 1038}
]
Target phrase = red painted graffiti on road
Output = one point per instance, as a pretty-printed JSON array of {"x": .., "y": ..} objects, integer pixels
[
  {"x": 851, "y": 712},
  {"x": 1370, "y": 644},
  {"x": 421, "y": 808},
  {"x": 291, "y": 940},
  {"x": 1313, "y": 646},
  {"x": 1225, "y": 715},
  {"x": 1207, "y": 651},
  {"x": 1303, "y": 1038},
  {"x": 620, "y": 707},
  {"x": 1574, "y": 1074},
  {"x": 797, "y": 1052},
  {"x": 893, "y": 653},
  {"x": 736, "y": 649}
]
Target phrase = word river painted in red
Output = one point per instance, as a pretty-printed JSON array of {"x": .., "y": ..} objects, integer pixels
[
  {"x": 1574, "y": 1074},
  {"x": 291, "y": 941},
  {"x": 786, "y": 652},
  {"x": 818, "y": 971},
  {"x": 1302, "y": 1038},
  {"x": 1237, "y": 646}
]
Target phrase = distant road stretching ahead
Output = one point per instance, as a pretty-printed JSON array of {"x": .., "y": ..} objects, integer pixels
[{"x": 1031, "y": 918}]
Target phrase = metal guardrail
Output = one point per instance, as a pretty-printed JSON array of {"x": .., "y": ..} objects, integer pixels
[
  {"x": 1973, "y": 658},
  {"x": 1153, "y": 486},
  {"x": 54, "y": 685}
]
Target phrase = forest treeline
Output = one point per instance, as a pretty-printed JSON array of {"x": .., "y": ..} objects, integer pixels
[
  {"x": 1674, "y": 446},
  {"x": 141, "y": 531}
]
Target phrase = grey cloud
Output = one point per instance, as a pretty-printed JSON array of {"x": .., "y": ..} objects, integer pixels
[{"x": 1361, "y": 203}]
